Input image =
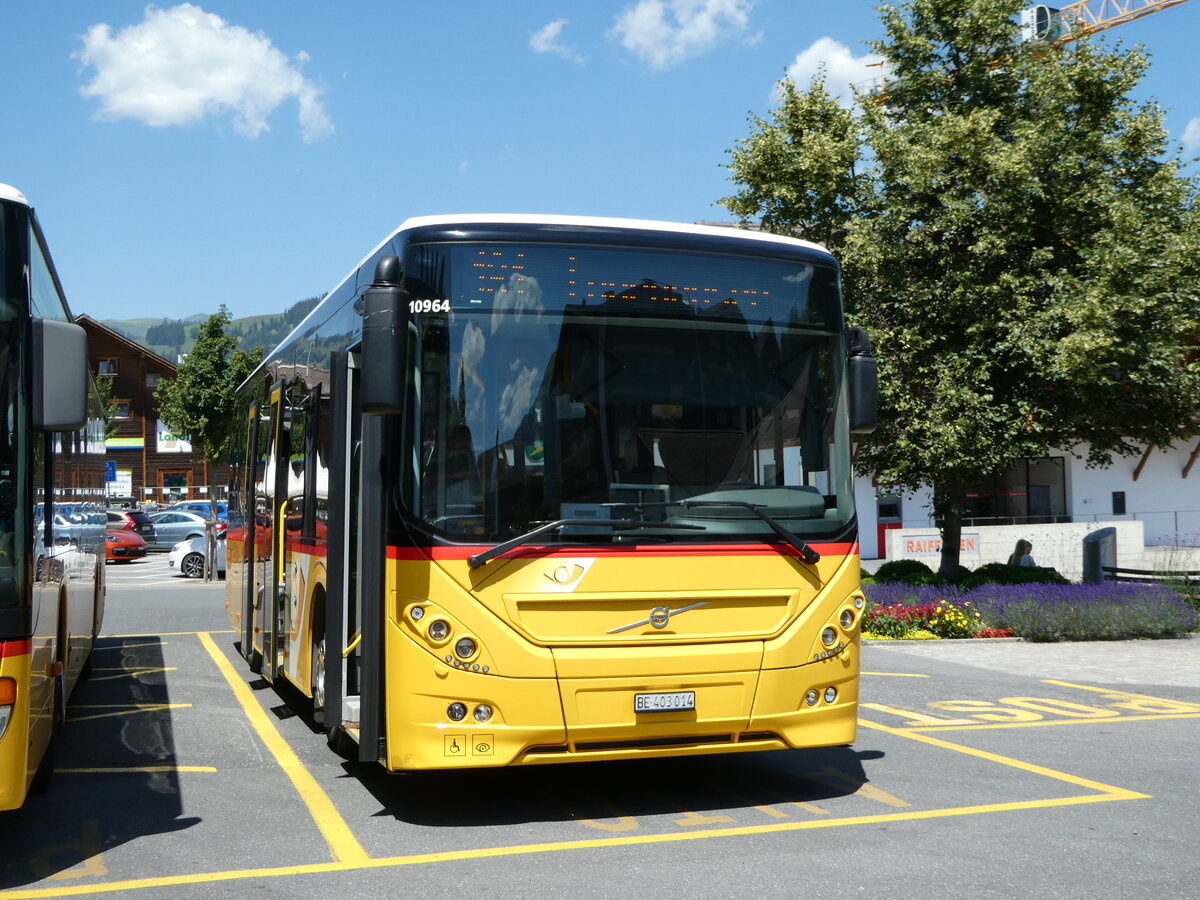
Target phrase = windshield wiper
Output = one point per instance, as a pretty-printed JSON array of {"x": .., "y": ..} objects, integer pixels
[
  {"x": 483, "y": 558},
  {"x": 807, "y": 553}
]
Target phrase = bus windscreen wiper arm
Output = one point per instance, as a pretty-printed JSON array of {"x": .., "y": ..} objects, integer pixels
[
  {"x": 807, "y": 553},
  {"x": 480, "y": 559}
]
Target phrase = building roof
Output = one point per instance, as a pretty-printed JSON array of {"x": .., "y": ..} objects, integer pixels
[{"x": 159, "y": 362}]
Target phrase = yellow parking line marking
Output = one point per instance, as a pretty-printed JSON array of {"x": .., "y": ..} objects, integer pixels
[
  {"x": 137, "y": 770},
  {"x": 1129, "y": 694},
  {"x": 1042, "y": 724},
  {"x": 163, "y": 634},
  {"x": 897, "y": 674},
  {"x": 131, "y": 673},
  {"x": 1104, "y": 793},
  {"x": 129, "y": 711},
  {"x": 97, "y": 649},
  {"x": 342, "y": 843},
  {"x": 1108, "y": 791},
  {"x": 560, "y": 846}
]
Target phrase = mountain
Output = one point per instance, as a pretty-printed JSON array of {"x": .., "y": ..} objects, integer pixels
[{"x": 171, "y": 338}]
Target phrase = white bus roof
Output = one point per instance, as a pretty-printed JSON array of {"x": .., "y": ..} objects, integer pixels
[
  {"x": 8, "y": 192},
  {"x": 605, "y": 222}
]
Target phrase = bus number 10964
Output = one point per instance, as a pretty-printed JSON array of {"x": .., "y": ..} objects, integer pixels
[{"x": 428, "y": 306}]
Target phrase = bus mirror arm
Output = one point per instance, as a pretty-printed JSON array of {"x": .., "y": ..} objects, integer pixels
[
  {"x": 384, "y": 340},
  {"x": 862, "y": 376}
]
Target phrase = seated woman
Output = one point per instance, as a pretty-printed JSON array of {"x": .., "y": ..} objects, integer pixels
[{"x": 1020, "y": 556}]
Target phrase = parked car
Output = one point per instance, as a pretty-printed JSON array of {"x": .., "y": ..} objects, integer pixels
[
  {"x": 131, "y": 520},
  {"x": 201, "y": 507},
  {"x": 187, "y": 557},
  {"x": 123, "y": 546},
  {"x": 174, "y": 525}
]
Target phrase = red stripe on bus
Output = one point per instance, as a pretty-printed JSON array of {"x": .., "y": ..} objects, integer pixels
[
  {"x": 295, "y": 545},
  {"x": 16, "y": 648},
  {"x": 451, "y": 553}
]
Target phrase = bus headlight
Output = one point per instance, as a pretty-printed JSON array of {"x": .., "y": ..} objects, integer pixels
[
  {"x": 483, "y": 712},
  {"x": 847, "y": 619},
  {"x": 456, "y": 711},
  {"x": 812, "y": 697},
  {"x": 828, "y": 636},
  {"x": 830, "y": 694},
  {"x": 439, "y": 630},
  {"x": 8, "y": 699},
  {"x": 465, "y": 648}
]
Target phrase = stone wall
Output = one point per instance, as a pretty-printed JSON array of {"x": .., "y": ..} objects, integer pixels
[{"x": 1059, "y": 546}]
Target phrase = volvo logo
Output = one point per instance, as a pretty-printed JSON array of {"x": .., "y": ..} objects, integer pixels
[{"x": 660, "y": 616}]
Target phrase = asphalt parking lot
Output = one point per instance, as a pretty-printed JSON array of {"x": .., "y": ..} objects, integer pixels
[{"x": 982, "y": 769}]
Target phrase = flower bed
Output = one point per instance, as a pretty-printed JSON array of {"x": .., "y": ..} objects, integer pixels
[{"x": 1036, "y": 612}]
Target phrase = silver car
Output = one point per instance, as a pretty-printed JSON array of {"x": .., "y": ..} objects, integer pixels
[
  {"x": 187, "y": 557},
  {"x": 174, "y": 525}
]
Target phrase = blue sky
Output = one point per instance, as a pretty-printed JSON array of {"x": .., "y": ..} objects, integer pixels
[{"x": 250, "y": 153}]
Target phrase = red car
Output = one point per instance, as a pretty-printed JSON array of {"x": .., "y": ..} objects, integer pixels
[{"x": 123, "y": 546}]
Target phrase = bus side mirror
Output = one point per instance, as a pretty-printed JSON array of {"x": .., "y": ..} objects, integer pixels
[
  {"x": 862, "y": 374},
  {"x": 384, "y": 340},
  {"x": 60, "y": 376}
]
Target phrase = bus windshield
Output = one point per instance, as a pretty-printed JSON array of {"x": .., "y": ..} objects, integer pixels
[{"x": 589, "y": 383}]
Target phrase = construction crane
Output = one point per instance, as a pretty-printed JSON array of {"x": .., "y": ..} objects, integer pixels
[
  {"x": 1061, "y": 25},
  {"x": 1058, "y": 26}
]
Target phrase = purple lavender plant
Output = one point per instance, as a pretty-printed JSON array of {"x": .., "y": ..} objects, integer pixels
[{"x": 1084, "y": 612}]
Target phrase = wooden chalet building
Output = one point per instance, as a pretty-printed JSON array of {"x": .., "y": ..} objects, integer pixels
[{"x": 146, "y": 463}]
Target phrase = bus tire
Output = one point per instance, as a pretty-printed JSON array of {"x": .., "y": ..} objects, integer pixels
[
  {"x": 341, "y": 743},
  {"x": 318, "y": 679},
  {"x": 45, "y": 769}
]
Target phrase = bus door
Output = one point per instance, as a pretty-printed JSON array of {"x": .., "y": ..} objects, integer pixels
[
  {"x": 250, "y": 528},
  {"x": 299, "y": 500},
  {"x": 270, "y": 516},
  {"x": 353, "y": 620}
]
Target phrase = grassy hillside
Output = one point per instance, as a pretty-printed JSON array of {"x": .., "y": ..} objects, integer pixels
[{"x": 170, "y": 338}]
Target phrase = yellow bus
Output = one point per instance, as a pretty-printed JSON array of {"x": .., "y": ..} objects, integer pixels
[
  {"x": 537, "y": 489},
  {"x": 51, "y": 504}
]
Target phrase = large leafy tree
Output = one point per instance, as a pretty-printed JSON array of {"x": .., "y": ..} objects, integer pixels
[
  {"x": 1015, "y": 233},
  {"x": 199, "y": 402}
]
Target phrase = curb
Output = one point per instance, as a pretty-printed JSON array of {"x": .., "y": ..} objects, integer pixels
[
  {"x": 871, "y": 642},
  {"x": 1186, "y": 636}
]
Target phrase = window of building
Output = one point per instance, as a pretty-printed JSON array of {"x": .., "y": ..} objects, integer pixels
[
  {"x": 152, "y": 379},
  {"x": 121, "y": 409},
  {"x": 1030, "y": 491},
  {"x": 107, "y": 366}
]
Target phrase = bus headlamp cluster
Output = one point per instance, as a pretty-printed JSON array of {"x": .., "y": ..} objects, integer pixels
[
  {"x": 8, "y": 699},
  {"x": 835, "y": 639},
  {"x": 437, "y": 629}
]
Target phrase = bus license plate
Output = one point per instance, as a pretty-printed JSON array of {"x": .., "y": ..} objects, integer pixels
[{"x": 674, "y": 702}]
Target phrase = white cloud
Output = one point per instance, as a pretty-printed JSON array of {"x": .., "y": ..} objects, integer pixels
[
  {"x": 182, "y": 64},
  {"x": 664, "y": 33},
  {"x": 842, "y": 68},
  {"x": 548, "y": 39},
  {"x": 1191, "y": 138}
]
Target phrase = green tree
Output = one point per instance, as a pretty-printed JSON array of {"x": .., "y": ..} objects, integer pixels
[
  {"x": 167, "y": 333},
  {"x": 104, "y": 387},
  {"x": 199, "y": 402},
  {"x": 1016, "y": 235}
]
